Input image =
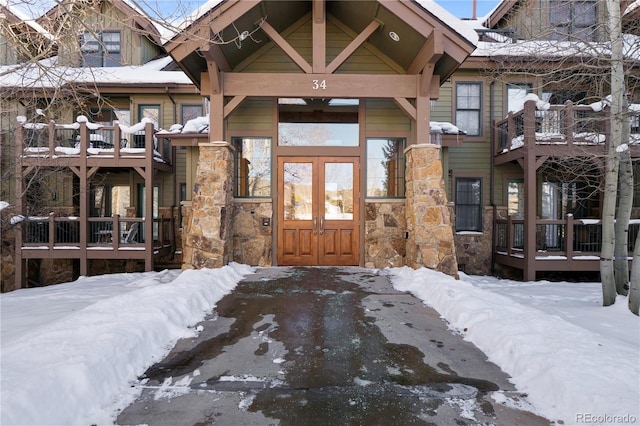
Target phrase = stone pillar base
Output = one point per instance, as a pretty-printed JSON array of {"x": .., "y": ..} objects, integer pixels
[
  {"x": 207, "y": 229},
  {"x": 430, "y": 241}
]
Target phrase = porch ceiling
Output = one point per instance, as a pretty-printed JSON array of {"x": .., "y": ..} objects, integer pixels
[{"x": 413, "y": 28}]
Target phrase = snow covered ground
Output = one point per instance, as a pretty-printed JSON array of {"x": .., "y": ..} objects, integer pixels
[
  {"x": 70, "y": 352},
  {"x": 578, "y": 361}
]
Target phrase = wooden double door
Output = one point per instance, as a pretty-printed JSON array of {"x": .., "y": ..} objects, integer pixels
[{"x": 318, "y": 211}]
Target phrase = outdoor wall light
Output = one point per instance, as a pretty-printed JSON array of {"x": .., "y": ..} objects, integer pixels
[{"x": 394, "y": 36}]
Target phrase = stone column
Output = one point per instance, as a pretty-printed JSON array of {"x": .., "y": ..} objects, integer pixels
[
  {"x": 207, "y": 242},
  {"x": 430, "y": 241}
]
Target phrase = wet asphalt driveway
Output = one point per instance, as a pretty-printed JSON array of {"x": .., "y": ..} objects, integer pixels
[{"x": 324, "y": 346}]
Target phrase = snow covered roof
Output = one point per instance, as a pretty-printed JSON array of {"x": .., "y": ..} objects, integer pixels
[
  {"x": 47, "y": 74},
  {"x": 430, "y": 6},
  {"x": 502, "y": 8},
  {"x": 558, "y": 49},
  {"x": 199, "y": 12},
  {"x": 31, "y": 11},
  {"x": 20, "y": 15},
  {"x": 456, "y": 24},
  {"x": 27, "y": 10}
]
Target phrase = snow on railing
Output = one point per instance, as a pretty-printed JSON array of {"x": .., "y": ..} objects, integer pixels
[
  {"x": 42, "y": 139},
  {"x": 541, "y": 123}
]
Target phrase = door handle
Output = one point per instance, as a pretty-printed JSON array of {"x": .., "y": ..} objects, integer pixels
[
  {"x": 315, "y": 225},
  {"x": 322, "y": 225}
]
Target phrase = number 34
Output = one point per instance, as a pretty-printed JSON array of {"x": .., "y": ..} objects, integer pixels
[{"x": 319, "y": 84}]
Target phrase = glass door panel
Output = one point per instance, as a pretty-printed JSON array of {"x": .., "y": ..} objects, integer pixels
[
  {"x": 318, "y": 211},
  {"x": 297, "y": 191},
  {"x": 338, "y": 191}
]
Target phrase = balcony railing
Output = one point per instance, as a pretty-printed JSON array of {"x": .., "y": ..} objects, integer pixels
[
  {"x": 569, "y": 237},
  {"x": 566, "y": 124},
  {"x": 73, "y": 140},
  {"x": 58, "y": 232}
]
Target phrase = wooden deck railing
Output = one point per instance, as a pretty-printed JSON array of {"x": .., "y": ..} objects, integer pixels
[
  {"x": 72, "y": 140},
  {"x": 566, "y": 124},
  {"x": 569, "y": 237},
  {"x": 55, "y": 232}
]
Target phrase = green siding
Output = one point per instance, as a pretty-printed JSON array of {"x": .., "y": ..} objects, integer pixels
[
  {"x": 273, "y": 59},
  {"x": 255, "y": 115},
  {"x": 385, "y": 116},
  {"x": 8, "y": 53}
]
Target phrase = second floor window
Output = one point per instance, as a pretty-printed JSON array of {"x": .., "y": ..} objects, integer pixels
[
  {"x": 101, "y": 49},
  {"x": 468, "y": 108},
  {"x": 573, "y": 20}
]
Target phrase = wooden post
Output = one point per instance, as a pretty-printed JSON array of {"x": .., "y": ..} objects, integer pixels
[
  {"x": 117, "y": 137},
  {"x": 52, "y": 138},
  {"x": 530, "y": 194},
  {"x": 148, "y": 189},
  {"x": 84, "y": 199},
  {"x": 569, "y": 232},
  {"x": 510, "y": 235},
  {"x": 569, "y": 122},
  {"x": 19, "y": 149},
  {"x": 52, "y": 230},
  {"x": 116, "y": 232},
  {"x": 511, "y": 129}
]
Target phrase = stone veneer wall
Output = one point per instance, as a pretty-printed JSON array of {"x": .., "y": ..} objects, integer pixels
[
  {"x": 474, "y": 248},
  {"x": 206, "y": 242},
  {"x": 251, "y": 239},
  {"x": 430, "y": 241},
  {"x": 384, "y": 236}
]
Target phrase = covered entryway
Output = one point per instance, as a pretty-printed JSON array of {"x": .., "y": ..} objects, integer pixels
[
  {"x": 318, "y": 210},
  {"x": 322, "y": 84}
]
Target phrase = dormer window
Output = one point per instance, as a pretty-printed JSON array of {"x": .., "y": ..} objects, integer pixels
[
  {"x": 101, "y": 49},
  {"x": 573, "y": 20}
]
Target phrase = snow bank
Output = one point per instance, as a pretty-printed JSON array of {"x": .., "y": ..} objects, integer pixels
[
  {"x": 74, "y": 369},
  {"x": 568, "y": 372}
]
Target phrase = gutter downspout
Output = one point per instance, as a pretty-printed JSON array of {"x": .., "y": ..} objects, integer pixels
[{"x": 492, "y": 200}]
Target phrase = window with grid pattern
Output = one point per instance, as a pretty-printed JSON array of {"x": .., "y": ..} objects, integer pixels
[
  {"x": 469, "y": 108},
  {"x": 468, "y": 204},
  {"x": 573, "y": 20},
  {"x": 101, "y": 49}
]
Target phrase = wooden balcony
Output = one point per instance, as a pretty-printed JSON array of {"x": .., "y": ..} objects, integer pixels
[
  {"x": 67, "y": 237},
  {"x": 84, "y": 149},
  {"x": 561, "y": 245},
  {"x": 99, "y": 146},
  {"x": 530, "y": 138},
  {"x": 559, "y": 131}
]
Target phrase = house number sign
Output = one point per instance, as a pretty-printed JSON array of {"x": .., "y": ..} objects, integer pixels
[{"x": 319, "y": 84}]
